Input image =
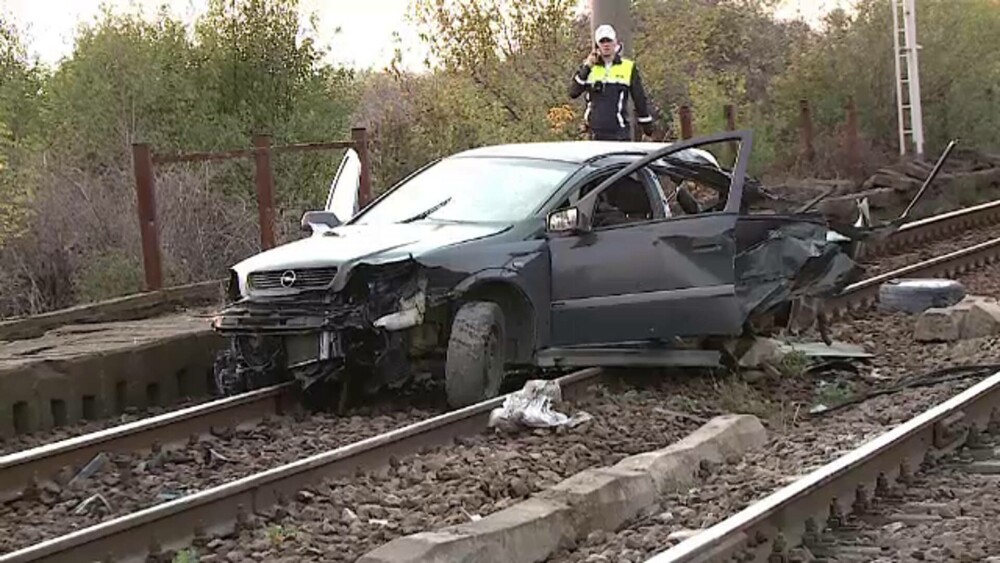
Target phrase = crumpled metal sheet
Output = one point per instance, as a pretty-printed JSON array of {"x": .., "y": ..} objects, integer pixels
[{"x": 796, "y": 260}]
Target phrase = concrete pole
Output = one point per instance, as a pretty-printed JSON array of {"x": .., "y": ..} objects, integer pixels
[{"x": 618, "y": 13}]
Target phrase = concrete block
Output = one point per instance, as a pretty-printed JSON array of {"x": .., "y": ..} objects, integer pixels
[
  {"x": 938, "y": 325},
  {"x": 528, "y": 531},
  {"x": 973, "y": 317},
  {"x": 95, "y": 371},
  {"x": 982, "y": 318},
  {"x": 604, "y": 498},
  {"x": 599, "y": 498},
  {"x": 675, "y": 467}
]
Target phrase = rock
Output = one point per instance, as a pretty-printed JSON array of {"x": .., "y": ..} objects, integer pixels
[
  {"x": 938, "y": 325},
  {"x": 370, "y": 511},
  {"x": 518, "y": 487},
  {"x": 973, "y": 317},
  {"x": 763, "y": 351},
  {"x": 348, "y": 516},
  {"x": 665, "y": 517}
]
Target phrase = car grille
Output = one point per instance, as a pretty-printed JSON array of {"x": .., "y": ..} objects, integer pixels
[{"x": 304, "y": 279}]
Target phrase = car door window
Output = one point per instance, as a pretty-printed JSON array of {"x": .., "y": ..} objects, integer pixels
[{"x": 625, "y": 201}]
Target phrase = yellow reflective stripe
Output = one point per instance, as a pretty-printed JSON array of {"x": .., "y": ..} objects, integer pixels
[{"x": 621, "y": 73}]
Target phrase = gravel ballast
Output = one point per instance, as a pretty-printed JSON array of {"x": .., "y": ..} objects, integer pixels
[
  {"x": 131, "y": 482},
  {"x": 803, "y": 444},
  {"x": 22, "y": 442},
  {"x": 901, "y": 257},
  {"x": 342, "y": 519},
  {"x": 948, "y": 512}
]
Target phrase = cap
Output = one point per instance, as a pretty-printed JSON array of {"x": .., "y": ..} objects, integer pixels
[{"x": 605, "y": 32}]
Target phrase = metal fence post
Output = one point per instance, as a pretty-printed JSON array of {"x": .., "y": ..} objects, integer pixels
[
  {"x": 265, "y": 189},
  {"x": 360, "y": 137},
  {"x": 687, "y": 130},
  {"x": 142, "y": 161},
  {"x": 806, "y": 130}
]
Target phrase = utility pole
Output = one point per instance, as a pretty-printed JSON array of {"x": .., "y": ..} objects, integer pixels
[
  {"x": 910, "y": 113},
  {"x": 618, "y": 13}
]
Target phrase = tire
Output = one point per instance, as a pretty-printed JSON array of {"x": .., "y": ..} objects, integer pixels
[
  {"x": 474, "y": 366},
  {"x": 915, "y": 296}
]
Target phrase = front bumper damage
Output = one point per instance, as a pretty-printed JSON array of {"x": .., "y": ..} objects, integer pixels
[{"x": 325, "y": 335}]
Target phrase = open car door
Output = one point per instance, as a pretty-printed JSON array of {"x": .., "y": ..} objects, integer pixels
[
  {"x": 653, "y": 279},
  {"x": 343, "y": 197}
]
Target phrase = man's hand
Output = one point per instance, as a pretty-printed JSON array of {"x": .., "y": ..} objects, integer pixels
[
  {"x": 648, "y": 129},
  {"x": 591, "y": 59}
]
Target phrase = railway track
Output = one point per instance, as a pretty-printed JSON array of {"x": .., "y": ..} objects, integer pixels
[
  {"x": 218, "y": 510},
  {"x": 174, "y": 523},
  {"x": 796, "y": 523},
  {"x": 20, "y": 470}
]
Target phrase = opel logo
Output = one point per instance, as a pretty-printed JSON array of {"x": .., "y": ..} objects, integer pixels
[{"x": 287, "y": 279}]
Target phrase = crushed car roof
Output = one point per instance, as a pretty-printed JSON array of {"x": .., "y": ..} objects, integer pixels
[{"x": 568, "y": 151}]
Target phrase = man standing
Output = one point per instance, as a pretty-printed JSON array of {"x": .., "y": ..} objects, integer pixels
[{"x": 608, "y": 80}]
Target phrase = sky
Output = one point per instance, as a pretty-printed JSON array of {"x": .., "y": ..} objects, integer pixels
[{"x": 366, "y": 26}]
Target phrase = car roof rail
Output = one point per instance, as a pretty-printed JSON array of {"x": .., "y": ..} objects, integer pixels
[{"x": 597, "y": 157}]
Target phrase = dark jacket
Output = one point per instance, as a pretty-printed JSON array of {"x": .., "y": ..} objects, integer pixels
[{"x": 607, "y": 92}]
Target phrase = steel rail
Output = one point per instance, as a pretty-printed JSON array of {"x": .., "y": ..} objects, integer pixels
[
  {"x": 176, "y": 523},
  {"x": 936, "y": 227},
  {"x": 19, "y": 470},
  {"x": 865, "y": 293},
  {"x": 798, "y": 513}
]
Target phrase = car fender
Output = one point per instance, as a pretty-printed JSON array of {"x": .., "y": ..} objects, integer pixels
[{"x": 534, "y": 329}]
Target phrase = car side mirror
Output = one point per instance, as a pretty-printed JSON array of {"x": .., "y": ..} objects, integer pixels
[
  {"x": 569, "y": 220},
  {"x": 310, "y": 219}
]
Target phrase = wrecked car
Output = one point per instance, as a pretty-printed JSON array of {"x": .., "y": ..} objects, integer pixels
[{"x": 533, "y": 255}]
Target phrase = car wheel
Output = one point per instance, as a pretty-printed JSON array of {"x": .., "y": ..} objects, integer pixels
[
  {"x": 917, "y": 295},
  {"x": 475, "y": 361}
]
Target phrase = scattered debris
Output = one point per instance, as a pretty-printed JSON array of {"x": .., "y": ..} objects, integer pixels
[
  {"x": 169, "y": 495},
  {"x": 916, "y": 295},
  {"x": 348, "y": 515},
  {"x": 471, "y": 517},
  {"x": 777, "y": 356},
  {"x": 532, "y": 407},
  {"x": 91, "y": 469},
  {"x": 86, "y": 506},
  {"x": 212, "y": 458}
]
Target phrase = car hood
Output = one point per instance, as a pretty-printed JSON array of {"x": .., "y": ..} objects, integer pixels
[{"x": 365, "y": 243}]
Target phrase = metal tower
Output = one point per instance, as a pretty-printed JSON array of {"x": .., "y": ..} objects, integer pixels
[{"x": 911, "y": 124}]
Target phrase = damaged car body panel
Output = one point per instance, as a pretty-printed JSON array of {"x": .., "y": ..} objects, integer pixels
[{"x": 498, "y": 256}]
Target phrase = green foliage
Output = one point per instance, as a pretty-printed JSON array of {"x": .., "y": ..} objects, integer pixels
[
  {"x": 112, "y": 274},
  {"x": 959, "y": 80},
  {"x": 243, "y": 69},
  {"x": 500, "y": 74},
  {"x": 502, "y": 67},
  {"x": 20, "y": 119},
  {"x": 189, "y": 555}
]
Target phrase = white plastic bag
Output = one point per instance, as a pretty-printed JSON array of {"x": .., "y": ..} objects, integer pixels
[{"x": 531, "y": 407}]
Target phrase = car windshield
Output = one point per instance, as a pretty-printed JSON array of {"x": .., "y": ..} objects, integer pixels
[{"x": 472, "y": 189}]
